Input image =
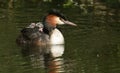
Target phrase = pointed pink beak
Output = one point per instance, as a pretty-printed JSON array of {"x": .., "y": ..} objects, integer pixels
[{"x": 69, "y": 23}]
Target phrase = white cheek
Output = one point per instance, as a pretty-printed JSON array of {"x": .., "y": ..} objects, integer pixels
[{"x": 59, "y": 21}]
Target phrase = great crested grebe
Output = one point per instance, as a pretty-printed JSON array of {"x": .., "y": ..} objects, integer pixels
[{"x": 44, "y": 32}]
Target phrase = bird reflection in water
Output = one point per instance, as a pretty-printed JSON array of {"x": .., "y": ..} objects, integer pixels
[{"x": 48, "y": 57}]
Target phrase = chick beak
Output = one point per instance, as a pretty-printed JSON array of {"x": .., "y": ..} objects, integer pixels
[{"x": 69, "y": 23}]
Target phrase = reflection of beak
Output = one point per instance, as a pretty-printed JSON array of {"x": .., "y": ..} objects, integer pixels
[{"x": 69, "y": 23}]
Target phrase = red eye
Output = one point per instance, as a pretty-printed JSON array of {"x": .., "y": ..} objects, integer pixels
[{"x": 61, "y": 19}]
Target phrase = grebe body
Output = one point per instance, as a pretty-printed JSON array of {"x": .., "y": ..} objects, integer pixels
[{"x": 45, "y": 32}]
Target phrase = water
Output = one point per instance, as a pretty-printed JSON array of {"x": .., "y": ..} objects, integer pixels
[{"x": 91, "y": 47}]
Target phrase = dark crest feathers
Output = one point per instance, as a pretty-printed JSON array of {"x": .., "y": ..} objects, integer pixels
[{"x": 57, "y": 13}]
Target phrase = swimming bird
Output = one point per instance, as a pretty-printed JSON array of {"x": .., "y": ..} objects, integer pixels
[{"x": 45, "y": 32}]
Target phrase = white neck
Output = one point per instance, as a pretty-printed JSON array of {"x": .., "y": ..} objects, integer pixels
[{"x": 56, "y": 37}]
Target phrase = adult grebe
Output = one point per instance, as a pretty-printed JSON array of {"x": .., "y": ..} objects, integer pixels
[{"x": 45, "y": 32}]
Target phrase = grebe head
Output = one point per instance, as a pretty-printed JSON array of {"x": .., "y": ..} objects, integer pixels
[
  {"x": 50, "y": 22},
  {"x": 55, "y": 18}
]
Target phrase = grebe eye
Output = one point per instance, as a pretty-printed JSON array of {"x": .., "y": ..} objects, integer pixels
[{"x": 61, "y": 19}]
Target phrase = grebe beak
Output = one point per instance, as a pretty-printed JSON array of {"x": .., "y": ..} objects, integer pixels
[{"x": 69, "y": 23}]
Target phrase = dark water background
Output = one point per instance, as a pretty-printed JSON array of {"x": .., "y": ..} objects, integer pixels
[{"x": 91, "y": 47}]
